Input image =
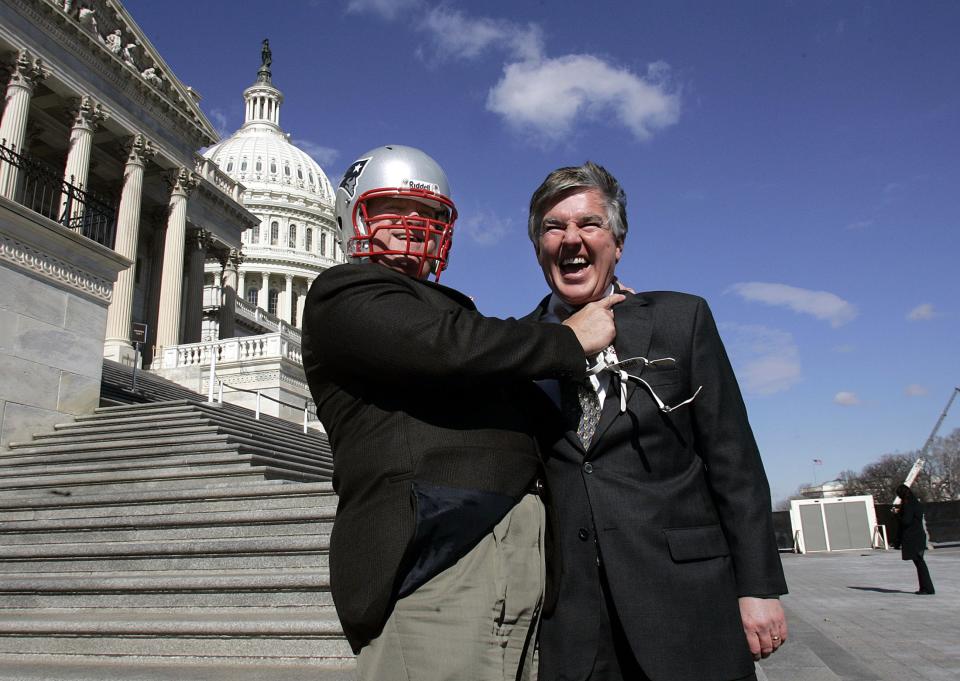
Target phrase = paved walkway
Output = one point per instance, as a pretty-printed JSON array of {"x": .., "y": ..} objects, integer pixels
[{"x": 854, "y": 616}]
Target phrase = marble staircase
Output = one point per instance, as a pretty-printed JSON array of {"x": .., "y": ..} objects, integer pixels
[{"x": 168, "y": 540}]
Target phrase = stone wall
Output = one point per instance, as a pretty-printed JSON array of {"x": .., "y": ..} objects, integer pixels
[{"x": 55, "y": 286}]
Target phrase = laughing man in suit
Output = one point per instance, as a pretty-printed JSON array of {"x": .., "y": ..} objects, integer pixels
[{"x": 670, "y": 570}]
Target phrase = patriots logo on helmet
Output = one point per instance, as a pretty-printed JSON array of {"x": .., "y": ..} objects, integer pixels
[{"x": 349, "y": 181}]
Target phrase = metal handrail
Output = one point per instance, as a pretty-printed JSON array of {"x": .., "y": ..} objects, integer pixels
[
  {"x": 259, "y": 393},
  {"x": 43, "y": 190}
]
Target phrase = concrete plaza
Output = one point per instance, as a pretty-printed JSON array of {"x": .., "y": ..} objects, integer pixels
[{"x": 853, "y": 616}]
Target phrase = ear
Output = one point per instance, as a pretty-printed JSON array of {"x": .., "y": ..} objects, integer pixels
[{"x": 619, "y": 251}]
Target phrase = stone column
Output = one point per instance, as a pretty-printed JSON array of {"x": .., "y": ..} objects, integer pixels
[
  {"x": 196, "y": 246},
  {"x": 171, "y": 284},
  {"x": 241, "y": 281},
  {"x": 228, "y": 299},
  {"x": 87, "y": 115},
  {"x": 264, "y": 300},
  {"x": 27, "y": 73},
  {"x": 117, "y": 345},
  {"x": 287, "y": 300},
  {"x": 301, "y": 301}
]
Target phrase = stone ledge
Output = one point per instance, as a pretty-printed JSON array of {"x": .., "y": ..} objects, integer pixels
[{"x": 41, "y": 247}]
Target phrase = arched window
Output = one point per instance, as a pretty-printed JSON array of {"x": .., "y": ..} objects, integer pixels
[
  {"x": 286, "y": 169},
  {"x": 243, "y": 165},
  {"x": 229, "y": 165},
  {"x": 299, "y": 173},
  {"x": 274, "y": 233},
  {"x": 255, "y": 237},
  {"x": 308, "y": 240},
  {"x": 323, "y": 243},
  {"x": 292, "y": 236},
  {"x": 259, "y": 165},
  {"x": 273, "y": 166},
  {"x": 274, "y": 296},
  {"x": 310, "y": 175},
  {"x": 252, "y": 294}
]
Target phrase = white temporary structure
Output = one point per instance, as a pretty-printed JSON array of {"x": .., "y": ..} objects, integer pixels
[{"x": 835, "y": 524}]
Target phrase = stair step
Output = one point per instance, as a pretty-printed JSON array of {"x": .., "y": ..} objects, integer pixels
[
  {"x": 47, "y": 667},
  {"x": 279, "y": 492},
  {"x": 166, "y": 521},
  {"x": 174, "y": 623}
]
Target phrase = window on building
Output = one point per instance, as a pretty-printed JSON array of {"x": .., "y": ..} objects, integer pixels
[
  {"x": 255, "y": 237},
  {"x": 292, "y": 236},
  {"x": 286, "y": 170},
  {"x": 252, "y": 294},
  {"x": 299, "y": 173},
  {"x": 308, "y": 240},
  {"x": 274, "y": 233},
  {"x": 293, "y": 308},
  {"x": 229, "y": 165},
  {"x": 273, "y": 298},
  {"x": 259, "y": 165},
  {"x": 273, "y": 167},
  {"x": 323, "y": 243},
  {"x": 243, "y": 165}
]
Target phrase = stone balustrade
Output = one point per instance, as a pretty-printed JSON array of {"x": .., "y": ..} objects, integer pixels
[
  {"x": 211, "y": 172},
  {"x": 284, "y": 344}
]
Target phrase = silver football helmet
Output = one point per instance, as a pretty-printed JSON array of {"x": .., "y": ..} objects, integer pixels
[{"x": 405, "y": 172}]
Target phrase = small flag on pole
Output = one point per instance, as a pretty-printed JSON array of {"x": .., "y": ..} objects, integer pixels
[{"x": 817, "y": 462}]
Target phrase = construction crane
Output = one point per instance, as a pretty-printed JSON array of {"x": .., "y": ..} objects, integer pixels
[{"x": 918, "y": 464}]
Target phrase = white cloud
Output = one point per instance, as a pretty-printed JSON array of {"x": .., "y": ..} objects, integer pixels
[
  {"x": 457, "y": 35},
  {"x": 860, "y": 224},
  {"x": 548, "y": 96},
  {"x": 484, "y": 227},
  {"x": 845, "y": 348},
  {"x": 387, "y": 9},
  {"x": 219, "y": 120},
  {"x": 915, "y": 390},
  {"x": 767, "y": 361},
  {"x": 847, "y": 399},
  {"x": 325, "y": 156},
  {"x": 821, "y": 304},
  {"x": 921, "y": 312},
  {"x": 538, "y": 94}
]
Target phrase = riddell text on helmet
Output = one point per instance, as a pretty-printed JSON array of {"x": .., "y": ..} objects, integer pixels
[{"x": 420, "y": 184}]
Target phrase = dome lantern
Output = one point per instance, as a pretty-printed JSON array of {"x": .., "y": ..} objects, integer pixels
[{"x": 262, "y": 100}]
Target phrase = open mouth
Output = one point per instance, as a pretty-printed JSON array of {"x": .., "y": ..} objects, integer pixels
[{"x": 573, "y": 265}]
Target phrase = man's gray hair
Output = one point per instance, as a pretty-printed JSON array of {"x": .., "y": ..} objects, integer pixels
[{"x": 564, "y": 181}]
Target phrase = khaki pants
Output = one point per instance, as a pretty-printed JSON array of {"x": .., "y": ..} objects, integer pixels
[{"x": 475, "y": 621}]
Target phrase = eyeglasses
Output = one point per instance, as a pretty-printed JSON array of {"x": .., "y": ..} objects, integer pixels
[{"x": 619, "y": 368}]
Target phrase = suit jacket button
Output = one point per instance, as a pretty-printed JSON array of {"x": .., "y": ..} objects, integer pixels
[
  {"x": 588, "y": 467},
  {"x": 584, "y": 534}
]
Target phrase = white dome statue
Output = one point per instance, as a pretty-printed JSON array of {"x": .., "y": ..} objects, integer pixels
[{"x": 290, "y": 193}]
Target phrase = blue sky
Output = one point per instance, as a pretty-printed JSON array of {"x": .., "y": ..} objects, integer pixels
[{"x": 792, "y": 162}]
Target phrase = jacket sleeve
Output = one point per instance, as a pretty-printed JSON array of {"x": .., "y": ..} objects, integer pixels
[
  {"x": 386, "y": 331},
  {"x": 725, "y": 442}
]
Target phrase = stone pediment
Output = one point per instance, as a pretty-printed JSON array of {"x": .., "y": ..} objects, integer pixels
[{"x": 111, "y": 35}]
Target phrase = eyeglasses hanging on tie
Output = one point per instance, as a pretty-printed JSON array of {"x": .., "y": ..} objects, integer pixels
[{"x": 619, "y": 369}]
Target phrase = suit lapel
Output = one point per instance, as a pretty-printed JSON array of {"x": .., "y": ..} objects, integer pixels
[{"x": 633, "y": 318}]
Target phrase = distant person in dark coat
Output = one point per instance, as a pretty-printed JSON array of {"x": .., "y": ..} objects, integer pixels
[{"x": 913, "y": 538}]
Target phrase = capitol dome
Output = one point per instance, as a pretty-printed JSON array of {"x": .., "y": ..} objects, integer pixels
[{"x": 288, "y": 190}]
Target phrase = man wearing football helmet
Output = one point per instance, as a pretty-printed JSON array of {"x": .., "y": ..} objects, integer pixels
[{"x": 436, "y": 554}]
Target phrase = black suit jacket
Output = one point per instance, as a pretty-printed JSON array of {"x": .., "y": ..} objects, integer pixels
[
  {"x": 424, "y": 401},
  {"x": 677, "y": 505}
]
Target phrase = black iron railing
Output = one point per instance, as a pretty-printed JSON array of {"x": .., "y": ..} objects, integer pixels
[{"x": 43, "y": 190}]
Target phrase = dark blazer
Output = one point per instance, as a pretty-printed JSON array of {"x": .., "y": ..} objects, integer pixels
[
  {"x": 676, "y": 505},
  {"x": 424, "y": 401},
  {"x": 913, "y": 538}
]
